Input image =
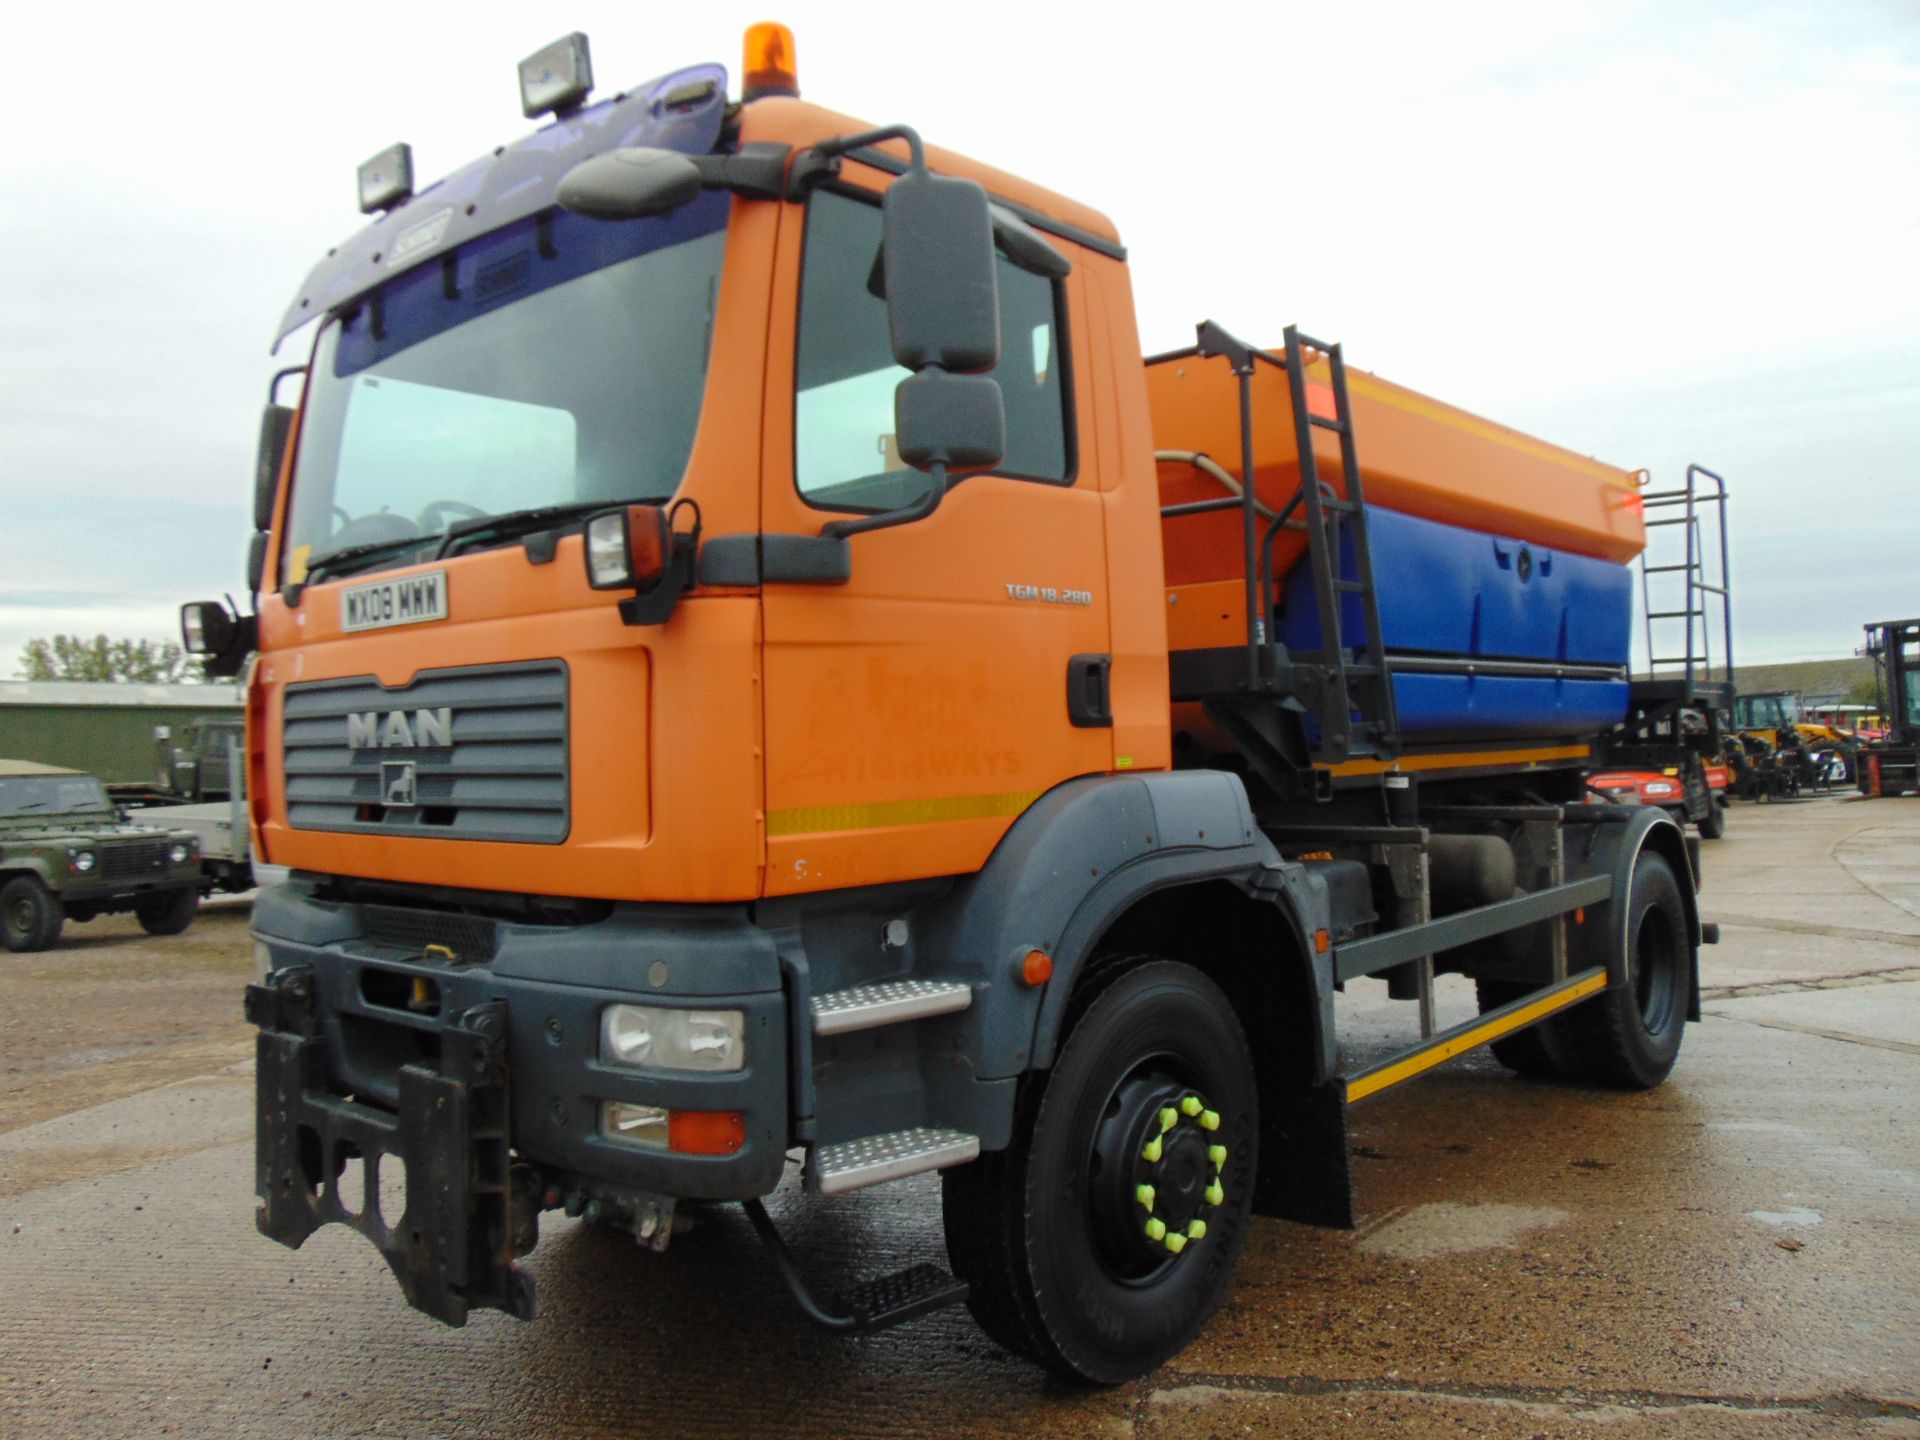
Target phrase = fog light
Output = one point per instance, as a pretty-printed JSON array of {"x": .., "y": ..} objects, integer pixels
[
  {"x": 634, "y": 1124},
  {"x": 386, "y": 179},
  {"x": 653, "y": 1037}
]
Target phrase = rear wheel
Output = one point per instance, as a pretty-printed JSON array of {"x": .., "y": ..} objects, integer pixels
[
  {"x": 1713, "y": 824},
  {"x": 1629, "y": 1035},
  {"x": 168, "y": 914},
  {"x": 1103, "y": 1237},
  {"x": 30, "y": 914}
]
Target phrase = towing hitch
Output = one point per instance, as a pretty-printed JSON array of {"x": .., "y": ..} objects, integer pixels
[{"x": 453, "y": 1245}]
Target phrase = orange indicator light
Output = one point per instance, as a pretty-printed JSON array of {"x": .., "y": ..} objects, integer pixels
[
  {"x": 705, "y": 1132},
  {"x": 1037, "y": 968}
]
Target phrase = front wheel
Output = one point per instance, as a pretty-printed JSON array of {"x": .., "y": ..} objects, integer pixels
[
  {"x": 1713, "y": 824},
  {"x": 30, "y": 914},
  {"x": 168, "y": 914},
  {"x": 1629, "y": 1035},
  {"x": 1103, "y": 1237}
]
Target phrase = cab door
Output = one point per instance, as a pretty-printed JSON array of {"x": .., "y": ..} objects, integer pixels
[{"x": 913, "y": 712}]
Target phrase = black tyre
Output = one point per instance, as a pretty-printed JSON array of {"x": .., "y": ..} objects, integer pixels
[
  {"x": 1629, "y": 1035},
  {"x": 30, "y": 914},
  {"x": 1713, "y": 824},
  {"x": 168, "y": 914},
  {"x": 1102, "y": 1239},
  {"x": 1535, "y": 1052}
]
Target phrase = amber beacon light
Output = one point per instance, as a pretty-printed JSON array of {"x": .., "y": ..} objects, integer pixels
[{"x": 769, "y": 67}]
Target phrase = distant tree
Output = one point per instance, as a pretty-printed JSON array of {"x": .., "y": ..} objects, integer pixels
[
  {"x": 74, "y": 657},
  {"x": 1862, "y": 692}
]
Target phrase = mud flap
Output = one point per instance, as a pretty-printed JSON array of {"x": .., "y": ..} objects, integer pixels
[
  {"x": 451, "y": 1248},
  {"x": 1306, "y": 1172}
]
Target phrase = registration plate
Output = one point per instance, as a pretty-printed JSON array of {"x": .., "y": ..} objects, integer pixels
[{"x": 395, "y": 602}]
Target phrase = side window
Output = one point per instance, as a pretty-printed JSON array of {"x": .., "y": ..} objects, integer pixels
[{"x": 845, "y": 457}]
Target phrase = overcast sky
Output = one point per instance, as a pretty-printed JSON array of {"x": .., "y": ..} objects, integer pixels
[{"x": 1655, "y": 233}]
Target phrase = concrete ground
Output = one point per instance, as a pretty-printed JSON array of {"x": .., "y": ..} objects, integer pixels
[{"x": 1735, "y": 1254}]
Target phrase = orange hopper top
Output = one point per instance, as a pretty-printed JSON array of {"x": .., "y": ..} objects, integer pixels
[{"x": 1416, "y": 455}]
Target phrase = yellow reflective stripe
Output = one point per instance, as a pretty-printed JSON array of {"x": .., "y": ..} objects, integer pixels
[
  {"x": 885, "y": 814},
  {"x": 1374, "y": 1081},
  {"x": 1461, "y": 759}
]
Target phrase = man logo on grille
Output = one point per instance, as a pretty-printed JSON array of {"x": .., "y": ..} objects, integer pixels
[
  {"x": 398, "y": 783},
  {"x": 392, "y": 730}
]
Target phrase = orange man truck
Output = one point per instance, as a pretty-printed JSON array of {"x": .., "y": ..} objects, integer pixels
[{"x": 751, "y": 666}]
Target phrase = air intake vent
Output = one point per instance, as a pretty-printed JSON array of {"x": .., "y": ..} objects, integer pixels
[
  {"x": 470, "y": 754},
  {"x": 471, "y": 939}
]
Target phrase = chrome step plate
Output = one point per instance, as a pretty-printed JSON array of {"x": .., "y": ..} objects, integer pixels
[
  {"x": 876, "y": 1159},
  {"x": 887, "y": 1002}
]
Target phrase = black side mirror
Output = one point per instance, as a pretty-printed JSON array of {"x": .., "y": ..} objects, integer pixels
[
  {"x": 956, "y": 422},
  {"x": 276, "y": 428},
  {"x": 256, "y": 561},
  {"x": 943, "y": 297},
  {"x": 209, "y": 628}
]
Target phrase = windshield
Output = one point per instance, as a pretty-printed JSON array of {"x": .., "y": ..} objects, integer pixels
[
  {"x": 555, "y": 362},
  {"x": 52, "y": 795}
]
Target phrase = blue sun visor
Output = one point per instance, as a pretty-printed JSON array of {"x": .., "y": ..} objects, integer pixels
[{"x": 682, "y": 111}]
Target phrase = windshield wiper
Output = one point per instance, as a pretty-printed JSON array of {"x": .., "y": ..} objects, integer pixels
[
  {"x": 514, "y": 523},
  {"x": 337, "y": 562}
]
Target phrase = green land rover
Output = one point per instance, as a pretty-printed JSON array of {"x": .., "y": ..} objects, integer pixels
[{"x": 65, "y": 854}]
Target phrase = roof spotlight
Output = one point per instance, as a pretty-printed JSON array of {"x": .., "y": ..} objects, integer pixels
[
  {"x": 386, "y": 179},
  {"x": 557, "y": 77}
]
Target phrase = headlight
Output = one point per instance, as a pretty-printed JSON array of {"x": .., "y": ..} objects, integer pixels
[
  {"x": 79, "y": 862},
  {"x": 1659, "y": 789},
  {"x": 649, "y": 1037},
  {"x": 178, "y": 854}
]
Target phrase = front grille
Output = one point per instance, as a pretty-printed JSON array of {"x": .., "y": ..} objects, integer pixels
[
  {"x": 469, "y": 754},
  {"x": 127, "y": 862},
  {"x": 471, "y": 938}
]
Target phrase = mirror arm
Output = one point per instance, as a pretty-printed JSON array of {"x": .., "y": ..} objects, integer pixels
[
  {"x": 822, "y": 161},
  {"x": 758, "y": 171},
  {"x": 919, "y": 510}
]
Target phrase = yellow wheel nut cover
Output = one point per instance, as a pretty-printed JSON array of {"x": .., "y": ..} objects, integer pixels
[
  {"x": 1215, "y": 1195},
  {"x": 1210, "y": 1120},
  {"x": 1190, "y": 1106},
  {"x": 1168, "y": 1119},
  {"x": 1176, "y": 1242},
  {"x": 1218, "y": 1155},
  {"x": 1144, "y": 1194},
  {"x": 1151, "y": 1154},
  {"x": 1197, "y": 1230},
  {"x": 1156, "y": 1229}
]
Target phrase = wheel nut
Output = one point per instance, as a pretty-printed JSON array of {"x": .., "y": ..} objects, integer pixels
[
  {"x": 1151, "y": 1154},
  {"x": 1168, "y": 1119},
  {"x": 1210, "y": 1120},
  {"x": 1190, "y": 1106},
  {"x": 1215, "y": 1196},
  {"x": 1176, "y": 1242},
  {"x": 1197, "y": 1230},
  {"x": 1218, "y": 1155},
  {"x": 1144, "y": 1194},
  {"x": 1156, "y": 1229}
]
